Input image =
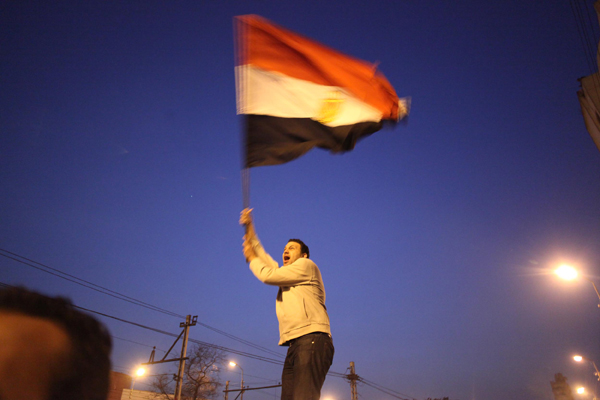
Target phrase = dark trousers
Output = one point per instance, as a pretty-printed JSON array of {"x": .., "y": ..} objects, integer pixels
[{"x": 306, "y": 364}]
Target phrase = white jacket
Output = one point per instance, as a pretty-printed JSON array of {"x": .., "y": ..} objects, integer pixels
[{"x": 300, "y": 302}]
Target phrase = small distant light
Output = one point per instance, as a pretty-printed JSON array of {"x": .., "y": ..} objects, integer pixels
[
  {"x": 566, "y": 272},
  {"x": 232, "y": 363},
  {"x": 581, "y": 390},
  {"x": 578, "y": 358}
]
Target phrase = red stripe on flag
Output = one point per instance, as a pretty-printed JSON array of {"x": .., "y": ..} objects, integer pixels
[{"x": 271, "y": 47}]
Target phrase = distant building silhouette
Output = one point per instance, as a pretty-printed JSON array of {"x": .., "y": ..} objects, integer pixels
[
  {"x": 143, "y": 395},
  {"x": 118, "y": 382}
]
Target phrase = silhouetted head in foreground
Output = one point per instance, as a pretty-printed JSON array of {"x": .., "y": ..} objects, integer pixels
[{"x": 49, "y": 350}]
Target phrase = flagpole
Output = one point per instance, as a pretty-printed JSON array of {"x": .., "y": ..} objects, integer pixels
[
  {"x": 239, "y": 36},
  {"x": 246, "y": 187}
]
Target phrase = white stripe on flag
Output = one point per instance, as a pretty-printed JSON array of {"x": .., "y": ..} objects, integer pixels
[{"x": 275, "y": 94}]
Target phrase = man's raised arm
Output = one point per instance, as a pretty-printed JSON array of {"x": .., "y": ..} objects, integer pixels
[{"x": 252, "y": 246}]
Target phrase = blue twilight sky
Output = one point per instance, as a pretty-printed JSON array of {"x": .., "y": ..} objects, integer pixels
[{"x": 120, "y": 165}]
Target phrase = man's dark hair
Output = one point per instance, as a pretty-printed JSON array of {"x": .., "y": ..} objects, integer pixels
[
  {"x": 87, "y": 375},
  {"x": 303, "y": 247}
]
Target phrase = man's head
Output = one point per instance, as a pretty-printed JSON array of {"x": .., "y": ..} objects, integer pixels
[
  {"x": 295, "y": 249},
  {"x": 49, "y": 350}
]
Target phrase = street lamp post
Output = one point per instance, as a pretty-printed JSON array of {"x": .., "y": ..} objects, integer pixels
[
  {"x": 596, "y": 289},
  {"x": 579, "y": 358},
  {"x": 569, "y": 273},
  {"x": 242, "y": 385}
]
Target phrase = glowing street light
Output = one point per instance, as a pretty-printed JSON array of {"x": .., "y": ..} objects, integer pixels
[
  {"x": 579, "y": 358},
  {"x": 566, "y": 272},
  {"x": 242, "y": 385},
  {"x": 581, "y": 390}
]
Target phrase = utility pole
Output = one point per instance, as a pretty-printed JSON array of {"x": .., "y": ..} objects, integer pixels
[
  {"x": 186, "y": 330},
  {"x": 352, "y": 377},
  {"x": 189, "y": 321},
  {"x": 226, "y": 390}
]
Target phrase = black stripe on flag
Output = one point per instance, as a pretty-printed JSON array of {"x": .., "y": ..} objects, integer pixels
[{"x": 275, "y": 140}]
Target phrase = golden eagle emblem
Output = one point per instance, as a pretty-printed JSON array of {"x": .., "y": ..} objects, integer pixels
[{"x": 330, "y": 108}]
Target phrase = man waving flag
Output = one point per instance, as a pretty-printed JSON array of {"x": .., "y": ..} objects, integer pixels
[{"x": 298, "y": 94}]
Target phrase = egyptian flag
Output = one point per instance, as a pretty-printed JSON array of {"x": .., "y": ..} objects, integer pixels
[{"x": 297, "y": 94}]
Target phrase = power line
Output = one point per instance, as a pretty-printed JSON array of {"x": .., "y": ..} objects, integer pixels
[
  {"x": 226, "y": 349},
  {"x": 90, "y": 285},
  {"x": 256, "y": 346},
  {"x": 82, "y": 282},
  {"x": 376, "y": 386},
  {"x": 353, "y": 378},
  {"x": 215, "y": 346},
  {"x": 269, "y": 380},
  {"x": 383, "y": 389},
  {"x": 585, "y": 34},
  {"x": 141, "y": 344}
]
